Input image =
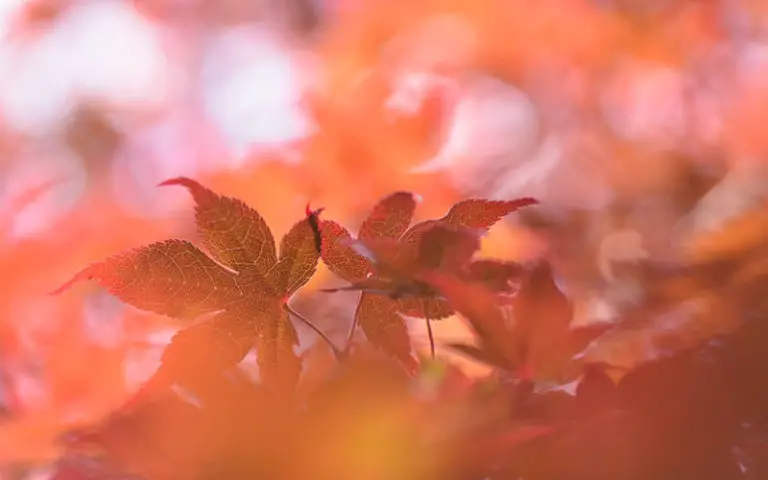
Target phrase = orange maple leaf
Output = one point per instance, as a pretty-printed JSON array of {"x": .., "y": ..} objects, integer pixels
[
  {"x": 389, "y": 256},
  {"x": 243, "y": 288}
]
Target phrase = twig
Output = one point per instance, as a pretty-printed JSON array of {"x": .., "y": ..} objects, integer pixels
[{"x": 340, "y": 355}]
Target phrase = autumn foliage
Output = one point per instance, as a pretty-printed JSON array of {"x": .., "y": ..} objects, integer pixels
[
  {"x": 363, "y": 420},
  {"x": 504, "y": 240}
]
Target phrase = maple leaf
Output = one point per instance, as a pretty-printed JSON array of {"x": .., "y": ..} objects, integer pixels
[
  {"x": 388, "y": 256},
  {"x": 537, "y": 343},
  {"x": 240, "y": 283},
  {"x": 542, "y": 328},
  {"x": 376, "y": 315},
  {"x": 479, "y": 305}
]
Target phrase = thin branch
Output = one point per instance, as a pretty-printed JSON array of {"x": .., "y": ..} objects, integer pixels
[{"x": 340, "y": 355}]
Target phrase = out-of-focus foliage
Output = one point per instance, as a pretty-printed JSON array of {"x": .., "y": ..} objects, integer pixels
[
  {"x": 636, "y": 124},
  {"x": 363, "y": 417}
]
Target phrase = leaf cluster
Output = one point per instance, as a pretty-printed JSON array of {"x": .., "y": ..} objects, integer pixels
[{"x": 384, "y": 411}]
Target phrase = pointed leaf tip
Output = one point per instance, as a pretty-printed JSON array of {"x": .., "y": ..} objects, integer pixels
[
  {"x": 312, "y": 213},
  {"x": 390, "y": 217},
  {"x": 195, "y": 188},
  {"x": 81, "y": 275},
  {"x": 184, "y": 181}
]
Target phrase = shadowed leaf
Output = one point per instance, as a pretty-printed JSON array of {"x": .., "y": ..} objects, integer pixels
[
  {"x": 542, "y": 324},
  {"x": 447, "y": 247},
  {"x": 543, "y": 331},
  {"x": 478, "y": 354},
  {"x": 385, "y": 329},
  {"x": 387, "y": 257},
  {"x": 425, "y": 307},
  {"x": 480, "y": 307},
  {"x": 495, "y": 275}
]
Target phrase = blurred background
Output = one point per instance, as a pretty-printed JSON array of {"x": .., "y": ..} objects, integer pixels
[{"x": 637, "y": 123}]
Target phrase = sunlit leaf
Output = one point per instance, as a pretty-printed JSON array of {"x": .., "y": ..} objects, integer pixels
[
  {"x": 235, "y": 234},
  {"x": 390, "y": 217},
  {"x": 250, "y": 288},
  {"x": 338, "y": 254},
  {"x": 483, "y": 214},
  {"x": 172, "y": 278},
  {"x": 387, "y": 258}
]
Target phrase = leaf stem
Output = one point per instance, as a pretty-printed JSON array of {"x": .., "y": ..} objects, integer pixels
[
  {"x": 353, "y": 326},
  {"x": 429, "y": 329},
  {"x": 431, "y": 337},
  {"x": 338, "y": 354}
]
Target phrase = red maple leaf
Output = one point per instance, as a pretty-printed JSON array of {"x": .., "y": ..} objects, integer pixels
[
  {"x": 387, "y": 257},
  {"x": 240, "y": 283},
  {"x": 538, "y": 342}
]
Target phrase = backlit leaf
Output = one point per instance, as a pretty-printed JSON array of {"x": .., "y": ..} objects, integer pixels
[
  {"x": 484, "y": 214},
  {"x": 249, "y": 289},
  {"x": 202, "y": 350},
  {"x": 299, "y": 254},
  {"x": 386, "y": 259},
  {"x": 172, "y": 278},
  {"x": 474, "y": 213},
  {"x": 390, "y": 217},
  {"x": 339, "y": 255},
  {"x": 234, "y": 233},
  {"x": 278, "y": 364}
]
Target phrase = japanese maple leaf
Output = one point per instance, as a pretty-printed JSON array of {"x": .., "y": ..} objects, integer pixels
[
  {"x": 538, "y": 342},
  {"x": 240, "y": 284},
  {"x": 397, "y": 253}
]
